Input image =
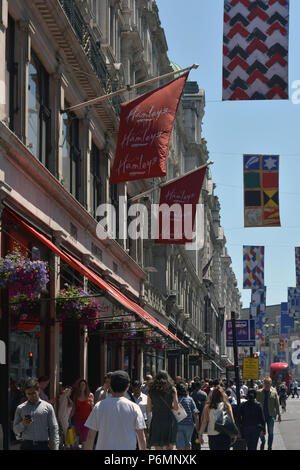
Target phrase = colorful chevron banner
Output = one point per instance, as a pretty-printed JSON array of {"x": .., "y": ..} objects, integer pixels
[
  {"x": 261, "y": 191},
  {"x": 255, "y": 49},
  {"x": 253, "y": 258},
  {"x": 297, "y": 259}
]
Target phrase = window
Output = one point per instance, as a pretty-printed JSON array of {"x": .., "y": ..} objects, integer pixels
[
  {"x": 71, "y": 154},
  {"x": 114, "y": 199},
  {"x": 112, "y": 27},
  {"x": 38, "y": 110},
  {"x": 10, "y": 72},
  {"x": 95, "y": 179}
]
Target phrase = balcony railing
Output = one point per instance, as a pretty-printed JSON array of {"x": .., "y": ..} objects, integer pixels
[{"x": 91, "y": 48}]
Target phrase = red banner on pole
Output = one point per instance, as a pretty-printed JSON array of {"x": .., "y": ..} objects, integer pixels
[
  {"x": 145, "y": 129},
  {"x": 177, "y": 208}
]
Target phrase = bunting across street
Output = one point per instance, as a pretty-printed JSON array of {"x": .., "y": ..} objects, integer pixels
[
  {"x": 255, "y": 49},
  {"x": 261, "y": 191},
  {"x": 253, "y": 267},
  {"x": 145, "y": 129}
]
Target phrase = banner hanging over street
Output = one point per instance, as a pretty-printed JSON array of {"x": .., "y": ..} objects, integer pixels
[
  {"x": 255, "y": 50},
  {"x": 261, "y": 191},
  {"x": 177, "y": 208},
  {"x": 253, "y": 267},
  {"x": 146, "y": 124},
  {"x": 258, "y": 301}
]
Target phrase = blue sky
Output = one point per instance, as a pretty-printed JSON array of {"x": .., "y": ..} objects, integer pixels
[{"x": 194, "y": 33}]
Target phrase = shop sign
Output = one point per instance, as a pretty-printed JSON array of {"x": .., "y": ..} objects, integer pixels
[
  {"x": 251, "y": 368},
  {"x": 245, "y": 333},
  {"x": 194, "y": 359},
  {"x": 173, "y": 352}
]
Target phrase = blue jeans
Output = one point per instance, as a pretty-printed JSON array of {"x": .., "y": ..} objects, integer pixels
[
  {"x": 184, "y": 435},
  {"x": 270, "y": 421}
]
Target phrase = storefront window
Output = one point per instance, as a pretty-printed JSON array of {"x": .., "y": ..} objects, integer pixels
[
  {"x": 109, "y": 358},
  {"x": 160, "y": 361}
]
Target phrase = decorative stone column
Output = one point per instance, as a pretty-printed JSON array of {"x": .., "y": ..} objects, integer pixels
[
  {"x": 58, "y": 83},
  {"x": 53, "y": 340},
  {"x": 24, "y": 32},
  {"x": 3, "y": 27}
]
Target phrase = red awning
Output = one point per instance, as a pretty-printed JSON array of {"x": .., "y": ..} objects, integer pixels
[{"x": 97, "y": 280}]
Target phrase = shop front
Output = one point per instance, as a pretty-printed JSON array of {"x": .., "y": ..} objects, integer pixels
[{"x": 73, "y": 324}]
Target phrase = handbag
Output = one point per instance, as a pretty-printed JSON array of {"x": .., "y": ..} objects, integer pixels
[
  {"x": 70, "y": 436},
  {"x": 179, "y": 414},
  {"x": 225, "y": 425}
]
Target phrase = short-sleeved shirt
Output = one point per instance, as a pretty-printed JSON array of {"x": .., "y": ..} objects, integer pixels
[
  {"x": 190, "y": 408},
  {"x": 116, "y": 420}
]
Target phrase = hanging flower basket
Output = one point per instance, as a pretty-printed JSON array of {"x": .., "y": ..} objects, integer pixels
[
  {"x": 74, "y": 303},
  {"x": 25, "y": 280}
]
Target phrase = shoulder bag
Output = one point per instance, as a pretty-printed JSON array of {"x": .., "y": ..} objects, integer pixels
[
  {"x": 225, "y": 425},
  {"x": 179, "y": 414}
]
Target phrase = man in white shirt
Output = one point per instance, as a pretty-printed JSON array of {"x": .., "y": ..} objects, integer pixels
[{"x": 118, "y": 421}]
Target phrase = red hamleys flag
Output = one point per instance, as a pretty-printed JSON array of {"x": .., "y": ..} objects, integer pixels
[
  {"x": 145, "y": 129},
  {"x": 177, "y": 208}
]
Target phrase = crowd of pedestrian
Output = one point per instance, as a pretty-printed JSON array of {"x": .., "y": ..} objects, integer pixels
[{"x": 125, "y": 415}]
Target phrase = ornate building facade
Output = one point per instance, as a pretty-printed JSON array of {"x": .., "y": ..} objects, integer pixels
[{"x": 54, "y": 174}]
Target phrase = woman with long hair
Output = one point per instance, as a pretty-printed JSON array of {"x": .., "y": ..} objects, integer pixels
[
  {"x": 82, "y": 407},
  {"x": 161, "y": 399},
  {"x": 217, "y": 401}
]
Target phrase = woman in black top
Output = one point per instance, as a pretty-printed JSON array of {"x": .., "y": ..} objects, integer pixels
[
  {"x": 161, "y": 399},
  {"x": 252, "y": 420}
]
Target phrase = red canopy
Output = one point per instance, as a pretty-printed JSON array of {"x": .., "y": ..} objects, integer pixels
[{"x": 97, "y": 280}]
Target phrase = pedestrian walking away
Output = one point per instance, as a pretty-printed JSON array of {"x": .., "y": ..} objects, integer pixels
[
  {"x": 199, "y": 397},
  {"x": 282, "y": 393},
  {"x": 294, "y": 388},
  {"x": 217, "y": 401},
  {"x": 118, "y": 421},
  {"x": 162, "y": 398},
  {"x": 269, "y": 400},
  {"x": 188, "y": 424},
  {"x": 252, "y": 420},
  {"x": 35, "y": 421}
]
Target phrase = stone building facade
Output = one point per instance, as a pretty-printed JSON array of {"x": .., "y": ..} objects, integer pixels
[{"x": 54, "y": 173}]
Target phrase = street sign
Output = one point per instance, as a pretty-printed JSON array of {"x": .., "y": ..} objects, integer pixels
[
  {"x": 194, "y": 359},
  {"x": 245, "y": 333},
  {"x": 251, "y": 368}
]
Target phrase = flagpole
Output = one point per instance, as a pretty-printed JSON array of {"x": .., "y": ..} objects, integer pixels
[
  {"x": 145, "y": 193},
  {"x": 128, "y": 88}
]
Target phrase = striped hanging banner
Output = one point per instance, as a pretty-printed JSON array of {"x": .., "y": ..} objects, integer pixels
[
  {"x": 294, "y": 301},
  {"x": 255, "y": 49},
  {"x": 297, "y": 259},
  {"x": 253, "y": 258},
  {"x": 258, "y": 301}
]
